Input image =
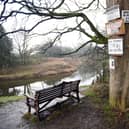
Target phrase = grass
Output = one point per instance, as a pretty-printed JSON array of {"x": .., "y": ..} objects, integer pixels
[
  {"x": 89, "y": 91},
  {"x": 30, "y": 117},
  {"x": 6, "y": 99}
]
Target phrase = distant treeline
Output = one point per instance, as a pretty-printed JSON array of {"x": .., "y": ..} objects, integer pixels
[{"x": 24, "y": 56}]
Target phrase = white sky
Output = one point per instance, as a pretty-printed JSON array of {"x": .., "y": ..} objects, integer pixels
[{"x": 71, "y": 39}]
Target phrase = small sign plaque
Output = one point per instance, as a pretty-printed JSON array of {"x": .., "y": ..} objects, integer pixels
[
  {"x": 116, "y": 27},
  {"x": 113, "y": 12},
  {"x": 115, "y": 46},
  {"x": 111, "y": 63},
  {"x": 125, "y": 15}
]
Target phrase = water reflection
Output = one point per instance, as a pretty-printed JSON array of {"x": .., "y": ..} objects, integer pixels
[
  {"x": 86, "y": 79},
  {"x": 9, "y": 91}
]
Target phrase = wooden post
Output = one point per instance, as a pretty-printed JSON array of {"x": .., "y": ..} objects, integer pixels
[{"x": 119, "y": 77}]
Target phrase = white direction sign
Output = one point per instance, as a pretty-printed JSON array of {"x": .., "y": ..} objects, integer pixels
[
  {"x": 115, "y": 46},
  {"x": 113, "y": 12},
  {"x": 125, "y": 15}
]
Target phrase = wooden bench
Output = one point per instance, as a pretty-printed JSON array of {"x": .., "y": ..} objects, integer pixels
[{"x": 45, "y": 96}]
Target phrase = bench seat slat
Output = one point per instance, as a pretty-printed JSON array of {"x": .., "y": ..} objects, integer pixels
[
  {"x": 56, "y": 93},
  {"x": 44, "y": 93},
  {"x": 47, "y": 98},
  {"x": 49, "y": 89}
]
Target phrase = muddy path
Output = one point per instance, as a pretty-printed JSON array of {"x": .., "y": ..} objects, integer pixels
[
  {"x": 76, "y": 116},
  {"x": 11, "y": 115}
]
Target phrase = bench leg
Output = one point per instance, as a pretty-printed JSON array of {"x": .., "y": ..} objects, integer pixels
[
  {"x": 78, "y": 98},
  {"x": 38, "y": 115},
  {"x": 37, "y": 112},
  {"x": 29, "y": 109}
]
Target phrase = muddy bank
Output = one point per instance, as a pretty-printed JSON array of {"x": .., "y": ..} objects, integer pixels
[{"x": 85, "y": 115}]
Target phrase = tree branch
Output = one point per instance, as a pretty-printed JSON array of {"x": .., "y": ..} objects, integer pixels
[
  {"x": 75, "y": 51},
  {"x": 50, "y": 12},
  {"x": 24, "y": 30}
]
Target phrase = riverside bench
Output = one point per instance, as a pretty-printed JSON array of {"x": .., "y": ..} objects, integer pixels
[{"x": 43, "y": 97}]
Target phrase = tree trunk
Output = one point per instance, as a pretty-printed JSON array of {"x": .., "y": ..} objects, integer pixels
[{"x": 119, "y": 77}]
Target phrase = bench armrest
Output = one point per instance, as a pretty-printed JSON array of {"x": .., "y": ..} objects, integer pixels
[
  {"x": 30, "y": 101},
  {"x": 29, "y": 96}
]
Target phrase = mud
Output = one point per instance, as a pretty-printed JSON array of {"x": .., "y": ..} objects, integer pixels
[{"x": 84, "y": 115}]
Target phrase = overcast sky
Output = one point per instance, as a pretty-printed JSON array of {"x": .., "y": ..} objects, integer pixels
[{"x": 70, "y": 39}]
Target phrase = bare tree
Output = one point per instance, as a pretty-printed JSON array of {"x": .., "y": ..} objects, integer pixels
[{"x": 22, "y": 46}]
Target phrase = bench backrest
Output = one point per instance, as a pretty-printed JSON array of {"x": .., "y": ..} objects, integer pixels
[
  {"x": 56, "y": 91},
  {"x": 70, "y": 86}
]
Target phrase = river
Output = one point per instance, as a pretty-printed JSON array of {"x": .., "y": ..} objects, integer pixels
[{"x": 86, "y": 79}]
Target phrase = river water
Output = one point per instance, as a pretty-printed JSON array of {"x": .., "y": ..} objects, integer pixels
[{"x": 86, "y": 79}]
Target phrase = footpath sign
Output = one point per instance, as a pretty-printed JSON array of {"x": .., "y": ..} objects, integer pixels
[
  {"x": 125, "y": 15},
  {"x": 115, "y": 30},
  {"x": 116, "y": 27},
  {"x": 113, "y": 12},
  {"x": 111, "y": 63},
  {"x": 115, "y": 46}
]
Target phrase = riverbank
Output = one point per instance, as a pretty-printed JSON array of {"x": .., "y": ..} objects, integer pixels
[
  {"x": 8, "y": 99},
  {"x": 48, "y": 68}
]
